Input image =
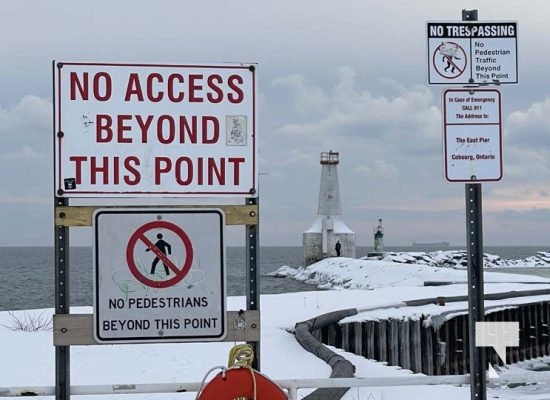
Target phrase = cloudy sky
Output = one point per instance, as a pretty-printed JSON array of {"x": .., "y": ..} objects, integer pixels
[{"x": 348, "y": 76}]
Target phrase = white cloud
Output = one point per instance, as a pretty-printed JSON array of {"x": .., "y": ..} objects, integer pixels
[
  {"x": 530, "y": 127},
  {"x": 378, "y": 169},
  {"x": 31, "y": 110},
  {"x": 26, "y": 152},
  {"x": 307, "y": 99},
  {"x": 29, "y": 122},
  {"x": 354, "y": 111}
]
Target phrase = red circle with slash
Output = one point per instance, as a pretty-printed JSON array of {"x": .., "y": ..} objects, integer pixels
[{"x": 179, "y": 271}]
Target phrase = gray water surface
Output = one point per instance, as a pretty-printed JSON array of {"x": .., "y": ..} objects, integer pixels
[{"x": 27, "y": 274}]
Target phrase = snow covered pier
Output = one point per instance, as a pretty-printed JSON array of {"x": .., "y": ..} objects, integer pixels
[
  {"x": 404, "y": 322},
  {"x": 438, "y": 345}
]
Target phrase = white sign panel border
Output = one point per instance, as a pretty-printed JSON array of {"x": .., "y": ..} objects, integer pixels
[
  {"x": 461, "y": 43},
  {"x": 133, "y": 160},
  {"x": 481, "y": 159},
  {"x": 170, "y": 219}
]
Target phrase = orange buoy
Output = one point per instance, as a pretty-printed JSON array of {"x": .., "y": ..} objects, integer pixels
[{"x": 238, "y": 382}]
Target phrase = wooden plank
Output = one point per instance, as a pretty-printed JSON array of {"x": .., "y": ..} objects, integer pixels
[
  {"x": 453, "y": 345},
  {"x": 416, "y": 347},
  {"x": 331, "y": 335},
  {"x": 523, "y": 333},
  {"x": 440, "y": 349},
  {"x": 427, "y": 350},
  {"x": 404, "y": 345},
  {"x": 382, "y": 340},
  {"x": 546, "y": 327},
  {"x": 464, "y": 348},
  {"x": 393, "y": 342},
  {"x": 370, "y": 340},
  {"x": 344, "y": 345},
  {"x": 537, "y": 316},
  {"x": 516, "y": 357},
  {"x": 358, "y": 339},
  {"x": 532, "y": 331},
  {"x": 77, "y": 329},
  {"x": 245, "y": 214},
  {"x": 449, "y": 347}
]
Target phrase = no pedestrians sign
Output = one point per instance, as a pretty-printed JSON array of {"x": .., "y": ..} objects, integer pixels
[
  {"x": 472, "y": 52},
  {"x": 159, "y": 275}
]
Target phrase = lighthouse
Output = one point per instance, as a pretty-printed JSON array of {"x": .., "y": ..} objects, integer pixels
[
  {"x": 379, "y": 237},
  {"x": 320, "y": 240}
]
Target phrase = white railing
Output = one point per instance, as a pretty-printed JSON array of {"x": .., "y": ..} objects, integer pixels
[{"x": 291, "y": 385}]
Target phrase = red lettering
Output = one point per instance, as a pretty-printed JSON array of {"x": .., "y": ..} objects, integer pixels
[
  {"x": 193, "y": 86},
  {"x": 200, "y": 163},
  {"x": 103, "y": 130},
  {"x": 116, "y": 170},
  {"x": 191, "y": 131},
  {"x": 130, "y": 163},
  {"x": 101, "y": 166},
  {"x": 162, "y": 165},
  {"x": 161, "y": 130},
  {"x": 215, "y": 131},
  {"x": 171, "y": 88},
  {"x": 96, "y": 168},
  {"x": 121, "y": 128},
  {"x": 107, "y": 86},
  {"x": 78, "y": 160},
  {"x": 133, "y": 88},
  {"x": 101, "y": 86},
  {"x": 144, "y": 126},
  {"x": 236, "y": 172},
  {"x": 213, "y": 170},
  {"x": 238, "y": 95},
  {"x": 150, "y": 83},
  {"x": 76, "y": 83},
  {"x": 189, "y": 163},
  {"x": 213, "y": 81}
]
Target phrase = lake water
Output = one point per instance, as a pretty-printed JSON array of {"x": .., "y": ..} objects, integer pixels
[{"x": 27, "y": 274}]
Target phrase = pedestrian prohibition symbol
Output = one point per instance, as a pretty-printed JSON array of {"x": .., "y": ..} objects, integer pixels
[
  {"x": 159, "y": 249},
  {"x": 159, "y": 275},
  {"x": 449, "y": 60}
]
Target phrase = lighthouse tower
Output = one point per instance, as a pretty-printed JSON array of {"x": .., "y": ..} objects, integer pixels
[
  {"x": 379, "y": 237},
  {"x": 320, "y": 239}
]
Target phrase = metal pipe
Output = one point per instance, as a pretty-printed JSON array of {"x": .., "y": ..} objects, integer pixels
[{"x": 290, "y": 384}]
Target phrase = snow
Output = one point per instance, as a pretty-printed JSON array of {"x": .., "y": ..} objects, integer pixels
[
  {"x": 458, "y": 259},
  {"x": 350, "y": 273},
  {"x": 377, "y": 288},
  {"x": 338, "y": 225}
]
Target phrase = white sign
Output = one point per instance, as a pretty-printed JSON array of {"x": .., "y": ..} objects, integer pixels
[
  {"x": 140, "y": 130},
  {"x": 472, "y": 125},
  {"x": 472, "y": 52},
  {"x": 159, "y": 275}
]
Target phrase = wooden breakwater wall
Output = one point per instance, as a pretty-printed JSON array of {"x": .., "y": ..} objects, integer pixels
[{"x": 442, "y": 348}]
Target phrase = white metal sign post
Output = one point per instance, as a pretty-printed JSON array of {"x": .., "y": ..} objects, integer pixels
[
  {"x": 155, "y": 130},
  {"x": 472, "y": 126},
  {"x": 472, "y": 52},
  {"x": 159, "y": 275}
]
